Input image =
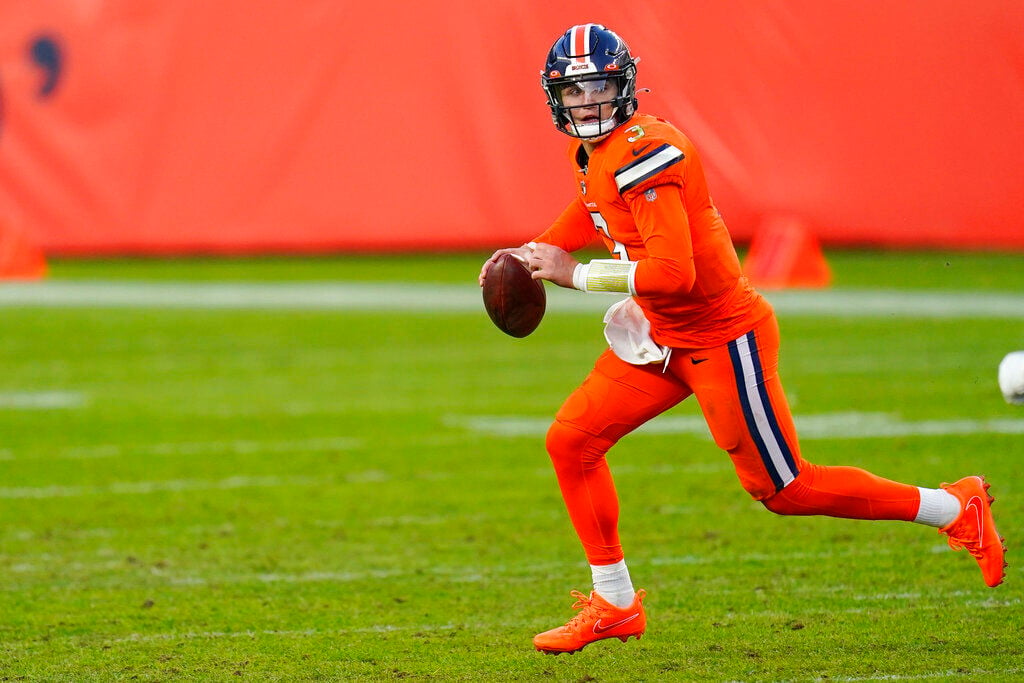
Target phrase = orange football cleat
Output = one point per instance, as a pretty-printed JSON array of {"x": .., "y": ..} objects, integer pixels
[
  {"x": 598, "y": 619},
  {"x": 975, "y": 529}
]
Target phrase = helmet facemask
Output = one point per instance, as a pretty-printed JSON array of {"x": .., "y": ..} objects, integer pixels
[{"x": 590, "y": 107}]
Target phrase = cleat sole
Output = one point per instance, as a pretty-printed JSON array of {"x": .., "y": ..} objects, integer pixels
[{"x": 572, "y": 652}]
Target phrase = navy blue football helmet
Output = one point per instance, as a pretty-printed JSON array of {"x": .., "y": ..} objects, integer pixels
[{"x": 589, "y": 58}]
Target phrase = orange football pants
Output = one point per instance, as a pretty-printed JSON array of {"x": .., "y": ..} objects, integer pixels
[{"x": 739, "y": 391}]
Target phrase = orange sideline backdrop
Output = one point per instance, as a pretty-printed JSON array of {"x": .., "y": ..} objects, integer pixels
[{"x": 183, "y": 126}]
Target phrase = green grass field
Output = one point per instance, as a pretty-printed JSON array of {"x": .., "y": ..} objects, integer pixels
[{"x": 286, "y": 492}]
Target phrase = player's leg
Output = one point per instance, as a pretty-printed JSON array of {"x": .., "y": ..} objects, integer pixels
[
  {"x": 743, "y": 399},
  {"x": 615, "y": 399}
]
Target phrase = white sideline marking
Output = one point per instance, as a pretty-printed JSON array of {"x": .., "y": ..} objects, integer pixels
[
  {"x": 466, "y": 298},
  {"x": 850, "y": 425},
  {"x": 41, "y": 400}
]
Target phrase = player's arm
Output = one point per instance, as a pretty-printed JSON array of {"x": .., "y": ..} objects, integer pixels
[
  {"x": 572, "y": 230},
  {"x": 550, "y": 252},
  {"x": 660, "y": 215},
  {"x": 661, "y": 220},
  {"x": 652, "y": 186}
]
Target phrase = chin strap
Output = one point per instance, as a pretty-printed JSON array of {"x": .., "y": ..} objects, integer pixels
[{"x": 605, "y": 275}]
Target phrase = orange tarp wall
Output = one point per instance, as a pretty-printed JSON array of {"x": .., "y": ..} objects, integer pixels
[{"x": 178, "y": 126}]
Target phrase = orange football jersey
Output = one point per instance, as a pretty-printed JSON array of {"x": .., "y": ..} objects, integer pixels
[{"x": 643, "y": 192}]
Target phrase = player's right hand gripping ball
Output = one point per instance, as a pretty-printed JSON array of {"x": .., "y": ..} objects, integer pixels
[{"x": 513, "y": 299}]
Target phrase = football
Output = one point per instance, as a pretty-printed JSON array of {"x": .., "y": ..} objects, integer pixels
[
  {"x": 1011, "y": 377},
  {"x": 514, "y": 300}
]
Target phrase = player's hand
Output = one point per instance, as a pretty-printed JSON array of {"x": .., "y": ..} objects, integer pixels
[
  {"x": 522, "y": 253},
  {"x": 548, "y": 262}
]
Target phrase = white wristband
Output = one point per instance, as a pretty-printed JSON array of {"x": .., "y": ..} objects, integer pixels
[
  {"x": 605, "y": 275},
  {"x": 579, "y": 276}
]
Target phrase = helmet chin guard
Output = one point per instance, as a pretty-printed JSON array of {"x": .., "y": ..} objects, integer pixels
[
  {"x": 595, "y": 131},
  {"x": 582, "y": 55}
]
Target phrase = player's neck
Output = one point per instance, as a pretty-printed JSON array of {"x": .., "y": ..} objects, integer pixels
[{"x": 589, "y": 147}]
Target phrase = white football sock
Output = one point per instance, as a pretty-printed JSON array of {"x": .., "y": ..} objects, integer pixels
[
  {"x": 611, "y": 582},
  {"x": 938, "y": 507}
]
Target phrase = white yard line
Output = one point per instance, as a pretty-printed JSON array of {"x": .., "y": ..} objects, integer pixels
[
  {"x": 192, "y": 448},
  {"x": 466, "y": 298},
  {"x": 142, "y": 487},
  {"x": 237, "y": 447},
  {"x": 117, "y": 488},
  {"x": 850, "y": 425},
  {"x": 41, "y": 400}
]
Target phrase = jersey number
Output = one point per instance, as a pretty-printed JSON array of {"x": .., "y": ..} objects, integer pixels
[{"x": 601, "y": 224}]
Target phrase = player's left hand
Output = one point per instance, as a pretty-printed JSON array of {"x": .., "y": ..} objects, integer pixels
[
  {"x": 522, "y": 253},
  {"x": 548, "y": 262}
]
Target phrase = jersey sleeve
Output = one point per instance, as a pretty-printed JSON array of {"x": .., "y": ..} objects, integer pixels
[
  {"x": 661, "y": 219},
  {"x": 659, "y": 163},
  {"x": 650, "y": 178},
  {"x": 572, "y": 230}
]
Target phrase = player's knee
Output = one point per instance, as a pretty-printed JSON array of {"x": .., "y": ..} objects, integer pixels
[
  {"x": 792, "y": 499},
  {"x": 564, "y": 442},
  {"x": 778, "y": 503},
  {"x": 570, "y": 446}
]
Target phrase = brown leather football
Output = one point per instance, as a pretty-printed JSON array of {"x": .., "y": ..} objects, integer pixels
[{"x": 514, "y": 300}]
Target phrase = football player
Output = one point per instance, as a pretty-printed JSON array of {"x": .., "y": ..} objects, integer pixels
[{"x": 692, "y": 325}]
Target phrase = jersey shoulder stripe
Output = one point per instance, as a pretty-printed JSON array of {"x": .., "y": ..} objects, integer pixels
[{"x": 647, "y": 166}]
